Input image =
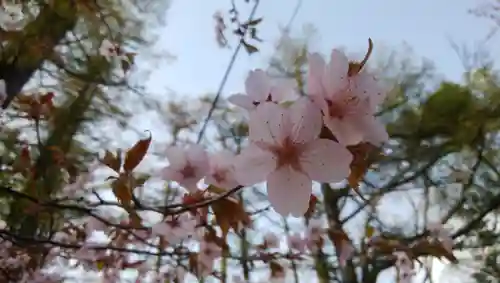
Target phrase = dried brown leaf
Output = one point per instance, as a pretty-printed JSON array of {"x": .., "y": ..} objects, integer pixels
[
  {"x": 230, "y": 214},
  {"x": 112, "y": 161},
  {"x": 122, "y": 191},
  {"x": 136, "y": 154}
]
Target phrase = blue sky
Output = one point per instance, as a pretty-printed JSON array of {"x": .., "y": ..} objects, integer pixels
[{"x": 425, "y": 25}]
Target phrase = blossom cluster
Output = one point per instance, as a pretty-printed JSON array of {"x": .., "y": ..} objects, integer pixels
[{"x": 286, "y": 147}]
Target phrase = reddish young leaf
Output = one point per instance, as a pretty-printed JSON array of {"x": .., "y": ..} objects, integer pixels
[
  {"x": 435, "y": 249},
  {"x": 230, "y": 214},
  {"x": 23, "y": 162},
  {"x": 313, "y": 200},
  {"x": 276, "y": 269},
  {"x": 57, "y": 155},
  {"x": 136, "y": 154},
  {"x": 364, "y": 155},
  {"x": 111, "y": 161},
  {"x": 122, "y": 191}
]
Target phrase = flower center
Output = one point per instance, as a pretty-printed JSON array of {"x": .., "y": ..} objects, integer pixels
[
  {"x": 335, "y": 109},
  {"x": 220, "y": 175},
  {"x": 174, "y": 223},
  {"x": 208, "y": 252},
  {"x": 188, "y": 171},
  {"x": 342, "y": 107},
  {"x": 288, "y": 153}
]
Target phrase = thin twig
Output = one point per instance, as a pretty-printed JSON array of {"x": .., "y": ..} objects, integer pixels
[{"x": 225, "y": 77}]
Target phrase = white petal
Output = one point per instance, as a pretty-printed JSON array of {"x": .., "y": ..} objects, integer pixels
[
  {"x": 242, "y": 100},
  {"x": 326, "y": 161},
  {"x": 306, "y": 120},
  {"x": 289, "y": 191},
  {"x": 253, "y": 165},
  {"x": 258, "y": 85},
  {"x": 269, "y": 124}
]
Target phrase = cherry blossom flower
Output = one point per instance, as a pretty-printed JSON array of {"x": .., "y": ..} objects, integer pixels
[
  {"x": 109, "y": 50},
  {"x": 402, "y": 259},
  {"x": 297, "y": 242},
  {"x": 178, "y": 273},
  {"x": 404, "y": 267},
  {"x": 93, "y": 224},
  {"x": 314, "y": 233},
  {"x": 260, "y": 88},
  {"x": 347, "y": 101},
  {"x": 285, "y": 151},
  {"x": 209, "y": 251},
  {"x": 439, "y": 232},
  {"x": 176, "y": 228},
  {"x": 77, "y": 188},
  {"x": 86, "y": 254},
  {"x": 346, "y": 252},
  {"x": 221, "y": 172},
  {"x": 187, "y": 166},
  {"x": 271, "y": 240}
]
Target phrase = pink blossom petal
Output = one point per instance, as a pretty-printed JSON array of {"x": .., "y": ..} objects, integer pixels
[
  {"x": 268, "y": 123},
  {"x": 222, "y": 170},
  {"x": 317, "y": 67},
  {"x": 326, "y": 161},
  {"x": 345, "y": 131},
  {"x": 160, "y": 229},
  {"x": 283, "y": 90},
  {"x": 253, "y": 165},
  {"x": 306, "y": 121},
  {"x": 335, "y": 77},
  {"x": 197, "y": 156},
  {"x": 258, "y": 85},
  {"x": 373, "y": 130},
  {"x": 289, "y": 191},
  {"x": 171, "y": 174},
  {"x": 320, "y": 102},
  {"x": 190, "y": 184},
  {"x": 222, "y": 158},
  {"x": 366, "y": 83},
  {"x": 346, "y": 252},
  {"x": 176, "y": 157},
  {"x": 242, "y": 100}
]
